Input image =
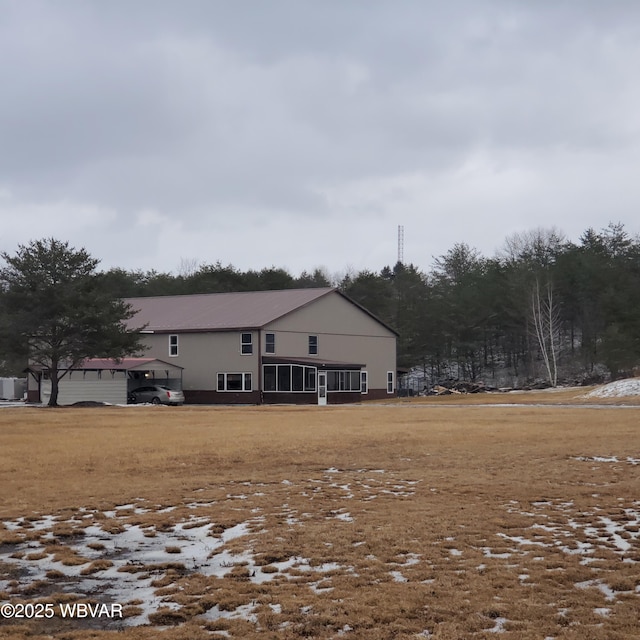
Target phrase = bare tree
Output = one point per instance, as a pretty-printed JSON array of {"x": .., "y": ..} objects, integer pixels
[
  {"x": 533, "y": 247},
  {"x": 188, "y": 267},
  {"x": 545, "y": 315}
]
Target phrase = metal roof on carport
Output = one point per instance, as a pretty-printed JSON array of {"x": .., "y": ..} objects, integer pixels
[{"x": 124, "y": 364}]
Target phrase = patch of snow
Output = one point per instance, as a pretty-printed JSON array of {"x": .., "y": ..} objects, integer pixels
[
  {"x": 398, "y": 577},
  {"x": 345, "y": 517},
  {"x": 131, "y": 548},
  {"x": 612, "y": 529},
  {"x": 522, "y": 541},
  {"x": 499, "y": 626},
  {"x": 317, "y": 587},
  {"x": 246, "y": 612},
  {"x": 411, "y": 558},
  {"x": 617, "y": 389},
  {"x": 605, "y": 589},
  {"x": 489, "y": 554}
]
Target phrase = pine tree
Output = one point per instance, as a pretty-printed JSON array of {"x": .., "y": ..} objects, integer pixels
[{"x": 56, "y": 313}]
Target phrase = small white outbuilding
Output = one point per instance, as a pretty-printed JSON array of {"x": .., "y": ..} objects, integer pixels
[{"x": 12, "y": 388}]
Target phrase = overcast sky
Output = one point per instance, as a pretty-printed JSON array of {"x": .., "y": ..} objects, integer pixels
[{"x": 300, "y": 134}]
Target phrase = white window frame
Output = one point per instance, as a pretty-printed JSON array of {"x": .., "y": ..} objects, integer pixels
[
  {"x": 308, "y": 373},
  {"x": 173, "y": 345},
  {"x": 364, "y": 381},
  {"x": 316, "y": 348},
  {"x": 343, "y": 377},
  {"x": 247, "y": 345},
  {"x": 246, "y": 375},
  {"x": 390, "y": 382},
  {"x": 266, "y": 342}
]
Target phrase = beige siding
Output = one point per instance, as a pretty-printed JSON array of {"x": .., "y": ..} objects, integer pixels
[
  {"x": 78, "y": 387},
  {"x": 331, "y": 314},
  {"x": 204, "y": 355},
  {"x": 345, "y": 334}
]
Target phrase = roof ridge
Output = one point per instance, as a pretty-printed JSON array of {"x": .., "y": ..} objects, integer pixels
[{"x": 229, "y": 293}]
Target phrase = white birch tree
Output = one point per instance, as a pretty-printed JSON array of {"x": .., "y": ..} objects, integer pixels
[{"x": 545, "y": 315}]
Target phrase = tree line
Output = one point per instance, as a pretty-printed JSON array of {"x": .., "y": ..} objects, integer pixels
[{"x": 543, "y": 308}]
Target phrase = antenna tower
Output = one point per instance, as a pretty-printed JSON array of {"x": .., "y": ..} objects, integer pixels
[{"x": 401, "y": 244}]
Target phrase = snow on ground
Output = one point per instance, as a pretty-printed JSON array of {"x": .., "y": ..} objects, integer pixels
[
  {"x": 121, "y": 560},
  {"x": 117, "y": 560},
  {"x": 136, "y": 555},
  {"x": 617, "y": 389}
]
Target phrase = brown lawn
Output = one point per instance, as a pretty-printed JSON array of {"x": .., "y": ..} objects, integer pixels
[{"x": 403, "y": 520}]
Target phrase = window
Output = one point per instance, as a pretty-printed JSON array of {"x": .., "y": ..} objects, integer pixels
[
  {"x": 234, "y": 382},
  {"x": 288, "y": 377},
  {"x": 173, "y": 345},
  {"x": 389, "y": 381},
  {"x": 297, "y": 378},
  {"x": 364, "y": 382},
  {"x": 269, "y": 377},
  {"x": 284, "y": 378},
  {"x": 246, "y": 344},
  {"x": 343, "y": 381},
  {"x": 270, "y": 343},
  {"x": 313, "y": 345},
  {"x": 309, "y": 379}
]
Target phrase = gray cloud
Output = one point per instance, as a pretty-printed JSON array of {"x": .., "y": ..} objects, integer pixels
[{"x": 278, "y": 133}]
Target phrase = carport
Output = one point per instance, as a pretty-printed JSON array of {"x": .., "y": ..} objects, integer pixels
[{"x": 103, "y": 380}]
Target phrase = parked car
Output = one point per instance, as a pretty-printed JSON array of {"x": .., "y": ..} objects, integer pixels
[{"x": 156, "y": 394}]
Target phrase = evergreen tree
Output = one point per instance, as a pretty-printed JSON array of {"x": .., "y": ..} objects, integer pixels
[{"x": 56, "y": 313}]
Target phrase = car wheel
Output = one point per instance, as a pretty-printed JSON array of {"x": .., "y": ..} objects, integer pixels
[
  {"x": 131, "y": 399},
  {"x": 155, "y": 400}
]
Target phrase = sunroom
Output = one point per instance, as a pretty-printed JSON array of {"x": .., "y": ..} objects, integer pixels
[{"x": 311, "y": 381}]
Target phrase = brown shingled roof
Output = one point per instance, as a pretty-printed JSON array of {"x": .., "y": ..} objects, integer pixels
[{"x": 219, "y": 311}]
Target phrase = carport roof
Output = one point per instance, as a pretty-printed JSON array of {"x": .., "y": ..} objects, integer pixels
[{"x": 126, "y": 364}]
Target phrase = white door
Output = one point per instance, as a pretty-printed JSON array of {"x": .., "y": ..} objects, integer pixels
[{"x": 322, "y": 387}]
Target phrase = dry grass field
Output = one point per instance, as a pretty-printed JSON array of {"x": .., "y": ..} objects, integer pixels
[{"x": 405, "y": 520}]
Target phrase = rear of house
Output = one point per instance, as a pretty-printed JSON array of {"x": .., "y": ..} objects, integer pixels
[{"x": 304, "y": 346}]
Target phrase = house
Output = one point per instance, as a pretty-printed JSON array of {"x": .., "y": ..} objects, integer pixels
[
  {"x": 103, "y": 380},
  {"x": 298, "y": 346}
]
